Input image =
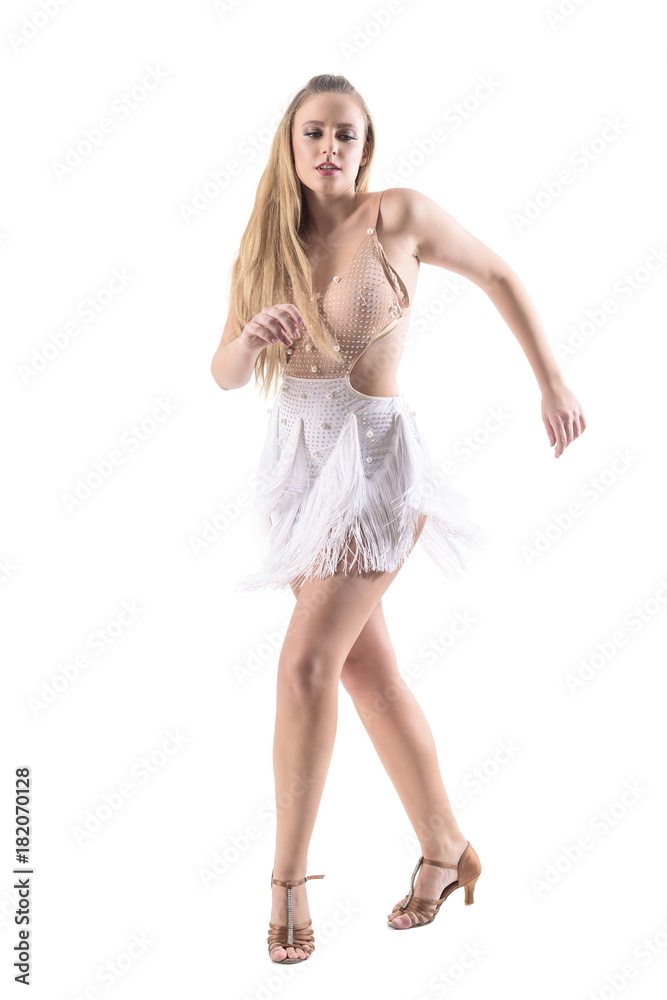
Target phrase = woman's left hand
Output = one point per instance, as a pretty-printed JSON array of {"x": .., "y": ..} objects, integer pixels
[{"x": 563, "y": 416}]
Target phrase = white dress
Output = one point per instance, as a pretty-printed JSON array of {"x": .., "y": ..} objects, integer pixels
[{"x": 340, "y": 465}]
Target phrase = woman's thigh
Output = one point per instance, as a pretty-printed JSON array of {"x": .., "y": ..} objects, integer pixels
[{"x": 339, "y": 620}]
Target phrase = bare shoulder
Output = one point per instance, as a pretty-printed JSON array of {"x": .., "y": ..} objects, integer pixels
[
  {"x": 436, "y": 237},
  {"x": 404, "y": 211},
  {"x": 399, "y": 208}
]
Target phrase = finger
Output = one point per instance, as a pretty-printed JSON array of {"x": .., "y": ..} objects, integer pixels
[
  {"x": 568, "y": 429},
  {"x": 549, "y": 430},
  {"x": 276, "y": 330},
  {"x": 288, "y": 325},
  {"x": 295, "y": 316},
  {"x": 561, "y": 437},
  {"x": 295, "y": 313}
]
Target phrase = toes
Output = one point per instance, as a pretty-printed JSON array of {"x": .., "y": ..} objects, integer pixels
[{"x": 279, "y": 954}]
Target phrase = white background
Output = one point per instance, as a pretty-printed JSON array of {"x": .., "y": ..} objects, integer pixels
[{"x": 542, "y": 925}]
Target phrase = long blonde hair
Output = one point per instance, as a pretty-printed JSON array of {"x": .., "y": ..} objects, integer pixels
[{"x": 271, "y": 265}]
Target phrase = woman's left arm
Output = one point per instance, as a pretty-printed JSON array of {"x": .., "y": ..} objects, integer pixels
[{"x": 439, "y": 239}]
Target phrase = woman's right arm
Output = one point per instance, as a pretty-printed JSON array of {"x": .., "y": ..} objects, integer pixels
[{"x": 234, "y": 360}]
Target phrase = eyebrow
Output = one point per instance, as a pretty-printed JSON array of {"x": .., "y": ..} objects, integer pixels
[{"x": 312, "y": 121}]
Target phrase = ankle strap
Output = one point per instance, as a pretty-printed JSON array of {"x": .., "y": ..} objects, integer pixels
[
  {"x": 445, "y": 864},
  {"x": 291, "y": 882}
]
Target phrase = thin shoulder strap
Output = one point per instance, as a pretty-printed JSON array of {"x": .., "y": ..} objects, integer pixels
[{"x": 375, "y": 209}]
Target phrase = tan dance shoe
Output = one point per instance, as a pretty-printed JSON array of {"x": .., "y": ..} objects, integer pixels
[
  {"x": 288, "y": 935},
  {"x": 424, "y": 911}
]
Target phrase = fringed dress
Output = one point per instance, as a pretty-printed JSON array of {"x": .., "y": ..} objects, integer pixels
[{"x": 340, "y": 466}]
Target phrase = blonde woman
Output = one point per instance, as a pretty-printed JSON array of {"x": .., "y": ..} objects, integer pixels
[{"x": 320, "y": 299}]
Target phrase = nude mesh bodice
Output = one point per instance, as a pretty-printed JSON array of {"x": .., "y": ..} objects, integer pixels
[{"x": 365, "y": 301}]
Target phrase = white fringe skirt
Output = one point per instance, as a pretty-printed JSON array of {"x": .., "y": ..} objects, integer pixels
[{"x": 339, "y": 466}]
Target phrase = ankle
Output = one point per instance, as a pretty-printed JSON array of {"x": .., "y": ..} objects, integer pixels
[
  {"x": 444, "y": 848},
  {"x": 280, "y": 874}
]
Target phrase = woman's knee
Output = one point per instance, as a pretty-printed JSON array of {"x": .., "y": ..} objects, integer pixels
[
  {"x": 370, "y": 676},
  {"x": 305, "y": 673}
]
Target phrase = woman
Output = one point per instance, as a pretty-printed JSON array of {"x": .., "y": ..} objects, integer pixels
[{"x": 320, "y": 294}]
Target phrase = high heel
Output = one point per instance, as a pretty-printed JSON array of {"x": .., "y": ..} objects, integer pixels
[
  {"x": 469, "y": 869},
  {"x": 469, "y": 890},
  {"x": 288, "y": 935}
]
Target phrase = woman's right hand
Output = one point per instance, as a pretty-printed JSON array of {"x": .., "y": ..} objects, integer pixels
[{"x": 282, "y": 322}]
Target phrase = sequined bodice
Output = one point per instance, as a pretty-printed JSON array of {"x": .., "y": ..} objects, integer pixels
[{"x": 365, "y": 301}]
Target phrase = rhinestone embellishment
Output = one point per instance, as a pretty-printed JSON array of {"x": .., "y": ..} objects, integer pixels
[{"x": 370, "y": 298}]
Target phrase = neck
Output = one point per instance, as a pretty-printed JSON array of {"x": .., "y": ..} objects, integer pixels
[{"x": 328, "y": 213}]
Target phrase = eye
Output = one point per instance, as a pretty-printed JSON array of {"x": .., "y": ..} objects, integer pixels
[{"x": 344, "y": 136}]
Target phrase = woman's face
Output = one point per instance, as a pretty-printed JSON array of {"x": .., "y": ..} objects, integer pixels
[{"x": 329, "y": 128}]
